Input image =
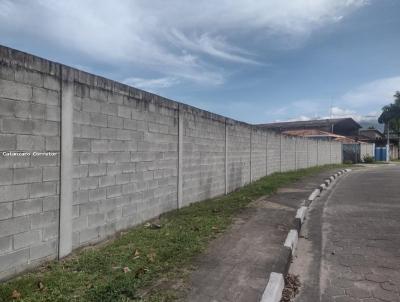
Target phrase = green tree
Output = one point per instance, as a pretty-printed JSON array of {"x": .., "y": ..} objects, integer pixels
[{"x": 391, "y": 117}]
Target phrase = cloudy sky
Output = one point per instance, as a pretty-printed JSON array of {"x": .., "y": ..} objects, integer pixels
[{"x": 256, "y": 61}]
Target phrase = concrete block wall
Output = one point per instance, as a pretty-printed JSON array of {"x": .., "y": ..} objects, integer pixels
[
  {"x": 367, "y": 149},
  {"x": 288, "y": 150},
  {"x": 29, "y": 182},
  {"x": 203, "y": 155},
  {"x": 127, "y": 156},
  {"x": 258, "y": 154},
  {"x": 301, "y": 153},
  {"x": 238, "y": 162},
  {"x": 125, "y": 161},
  {"x": 273, "y": 152}
]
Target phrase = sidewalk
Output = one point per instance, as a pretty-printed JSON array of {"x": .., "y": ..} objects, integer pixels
[{"x": 236, "y": 266}]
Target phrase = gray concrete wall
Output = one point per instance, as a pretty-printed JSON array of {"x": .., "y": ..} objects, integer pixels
[{"x": 127, "y": 156}]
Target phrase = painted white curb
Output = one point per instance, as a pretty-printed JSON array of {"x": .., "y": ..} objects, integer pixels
[
  {"x": 301, "y": 213},
  {"x": 348, "y": 170},
  {"x": 291, "y": 240},
  {"x": 314, "y": 194},
  {"x": 332, "y": 178},
  {"x": 273, "y": 290},
  {"x": 323, "y": 186}
]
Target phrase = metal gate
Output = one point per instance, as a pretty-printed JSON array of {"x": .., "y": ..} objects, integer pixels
[
  {"x": 351, "y": 152},
  {"x": 380, "y": 153}
]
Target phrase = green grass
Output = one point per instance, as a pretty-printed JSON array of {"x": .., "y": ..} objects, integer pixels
[{"x": 150, "y": 254}]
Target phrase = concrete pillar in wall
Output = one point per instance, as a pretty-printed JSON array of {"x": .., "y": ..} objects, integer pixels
[
  {"x": 266, "y": 153},
  {"x": 66, "y": 194},
  {"x": 280, "y": 152},
  {"x": 180, "y": 156},
  {"x": 295, "y": 153},
  {"x": 251, "y": 150},
  {"x": 226, "y": 158}
]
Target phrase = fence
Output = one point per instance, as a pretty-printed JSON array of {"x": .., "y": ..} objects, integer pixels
[{"x": 83, "y": 157}]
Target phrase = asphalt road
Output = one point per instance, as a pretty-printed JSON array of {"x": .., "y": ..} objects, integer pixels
[{"x": 350, "y": 250}]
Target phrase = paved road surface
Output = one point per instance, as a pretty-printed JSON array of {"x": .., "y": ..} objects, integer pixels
[{"x": 351, "y": 249}]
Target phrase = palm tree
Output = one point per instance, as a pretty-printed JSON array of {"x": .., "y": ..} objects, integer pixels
[{"x": 391, "y": 118}]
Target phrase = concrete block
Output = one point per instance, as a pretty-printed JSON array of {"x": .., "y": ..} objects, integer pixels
[
  {"x": 26, "y": 207},
  {"x": 44, "y": 219},
  {"x": 91, "y": 105},
  {"x": 25, "y": 76},
  {"x": 115, "y": 122},
  {"x": 122, "y": 179},
  {"x": 30, "y": 143},
  {"x": 27, "y": 175},
  {"x": 124, "y": 112},
  {"x": 13, "y": 259},
  {"x": 89, "y": 235},
  {"x": 79, "y": 223},
  {"x": 43, "y": 250},
  {"x": 43, "y": 189},
  {"x": 27, "y": 239},
  {"x": 7, "y": 107},
  {"x": 45, "y": 96},
  {"x": 14, "y": 226},
  {"x": 88, "y": 183},
  {"x": 7, "y": 143},
  {"x": 53, "y": 113},
  {"x": 30, "y": 110},
  {"x": 50, "y": 232},
  {"x": 13, "y": 192},
  {"x": 98, "y": 119},
  {"x": 5, "y": 244},
  {"x": 46, "y": 128},
  {"x": 15, "y": 91},
  {"x": 7, "y": 73},
  {"x": 88, "y": 158},
  {"x": 51, "y": 173},
  {"x": 97, "y": 169},
  {"x": 81, "y": 144},
  {"x": 108, "y": 180},
  {"x": 96, "y": 219},
  {"x": 99, "y": 146},
  {"x": 6, "y": 176},
  {"x": 42, "y": 160},
  {"x": 109, "y": 109},
  {"x": 114, "y": 191},
  {"x": 81, "y": 197},
  {"x": 50, "y": 82},
  {"x": 90, "y": 132},
  {"x": 5, "y": 210},
  {"x": 108, "y": 133},
  {"x": 52, "y": 143},
  {"x": 51, "y": 203},
  {"x": 18, "y": 126},
  {"x": 97, "y": 194}
]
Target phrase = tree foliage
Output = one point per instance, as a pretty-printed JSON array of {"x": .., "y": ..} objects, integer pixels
[{"x": 391, "y": 113}]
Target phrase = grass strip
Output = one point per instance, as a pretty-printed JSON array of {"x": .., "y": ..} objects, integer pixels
[{"x": 137, "y": 258}]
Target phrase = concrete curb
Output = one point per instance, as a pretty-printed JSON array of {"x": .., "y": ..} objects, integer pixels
[
  {"x": 274, "y": 288},
  {"x": 276, "y": 283},
  {"x": 291, "y": 240}
]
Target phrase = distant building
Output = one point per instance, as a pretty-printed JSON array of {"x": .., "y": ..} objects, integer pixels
[{"x": 340, "y": 126}]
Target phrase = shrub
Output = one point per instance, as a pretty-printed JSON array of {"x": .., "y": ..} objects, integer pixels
[{"x": 368, "y": 159}]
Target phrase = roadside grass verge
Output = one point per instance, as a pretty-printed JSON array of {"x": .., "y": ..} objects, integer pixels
[{"x": 139, "y": 257}]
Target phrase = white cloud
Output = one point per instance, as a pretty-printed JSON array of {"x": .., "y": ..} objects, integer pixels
[
  {"x": 378, "y": 93},
  {"x": 175, "y": 39},
  {"x": 151, "y": 84}
]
